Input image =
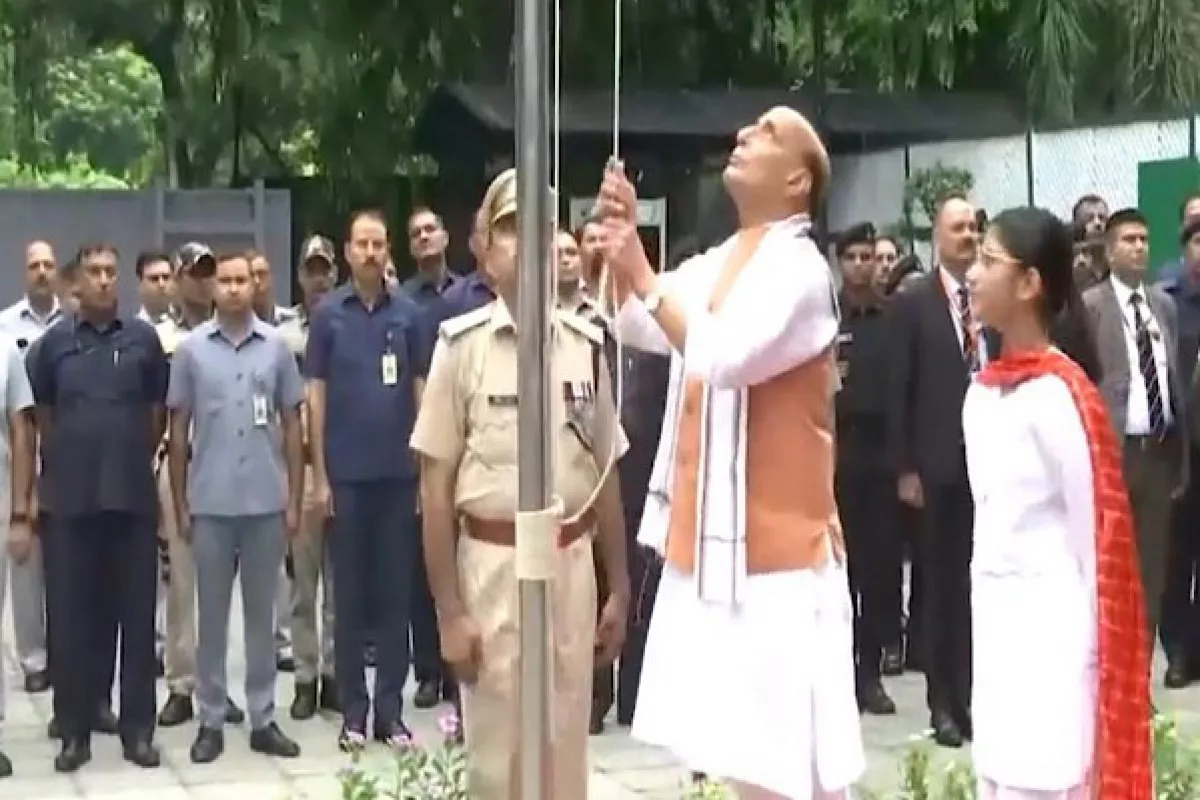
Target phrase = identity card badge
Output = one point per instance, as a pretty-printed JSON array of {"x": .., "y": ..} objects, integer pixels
[{"x": 389, "y": 369}]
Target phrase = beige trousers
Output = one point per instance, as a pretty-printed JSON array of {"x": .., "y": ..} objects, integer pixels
[
  {"x": 179, "y": 654},
  {"x": 491, "y": 706},
  {"x": 312, "y": 582}
]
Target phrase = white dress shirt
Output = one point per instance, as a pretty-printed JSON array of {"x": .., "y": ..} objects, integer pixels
[
  {"x": 21, "y": 322},
  {"x": 1137, "y": 406}
]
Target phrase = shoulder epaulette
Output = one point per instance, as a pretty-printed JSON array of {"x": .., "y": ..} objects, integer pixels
[
  {"x": 581, "y": 325},
  {"x": 456, "y": 326}
]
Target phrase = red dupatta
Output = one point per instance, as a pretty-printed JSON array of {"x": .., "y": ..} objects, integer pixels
[{"x": 1123, "y": 765}]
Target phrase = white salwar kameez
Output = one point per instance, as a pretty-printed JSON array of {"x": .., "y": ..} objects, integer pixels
[
  {"x": 1033, "y": 592},
  {"x": 788, "y": 636}
]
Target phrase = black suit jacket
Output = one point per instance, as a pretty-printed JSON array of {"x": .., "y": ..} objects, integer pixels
[{"x": 928, "y": 380}]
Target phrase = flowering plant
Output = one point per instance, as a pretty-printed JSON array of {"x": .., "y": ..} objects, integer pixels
[{"x": 437, "y": 772}]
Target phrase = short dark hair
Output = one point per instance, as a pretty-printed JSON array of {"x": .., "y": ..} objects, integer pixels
[
  {"x": 862, "y": 233},
  {"x": 1089, "y": 199},
  {"x": 90, "y": 249},
  {"x": 418, "y": 211},
  {"x": 366, "y": 213},
  {"x": 1125, "y": 216},
  {"x": 231, "y": 255},
  {"x": 148, "y": 257}
]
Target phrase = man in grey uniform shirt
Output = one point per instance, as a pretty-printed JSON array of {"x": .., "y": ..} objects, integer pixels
[{"x": 235, "y": 383}]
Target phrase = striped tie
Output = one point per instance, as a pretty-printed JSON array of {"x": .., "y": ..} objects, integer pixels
[
  {"x": 969, "y": 341},
  {"x": 1149, "y": 367}
]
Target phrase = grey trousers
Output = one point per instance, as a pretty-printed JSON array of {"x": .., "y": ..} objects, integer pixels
[
  {"x": 253, "y": 547},
  {"x": 312, "y": 584}
]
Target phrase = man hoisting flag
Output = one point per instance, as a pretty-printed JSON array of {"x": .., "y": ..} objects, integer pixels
[{"x": 754, "y": 583}]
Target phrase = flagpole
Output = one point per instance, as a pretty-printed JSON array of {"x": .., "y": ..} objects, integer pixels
[{"x": 534, "y": 458}]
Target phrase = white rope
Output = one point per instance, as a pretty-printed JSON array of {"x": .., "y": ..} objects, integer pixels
[{"x": 607, "y": 289}]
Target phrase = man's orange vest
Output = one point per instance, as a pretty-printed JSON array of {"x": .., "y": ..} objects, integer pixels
[{"x": 790, "y": 505}]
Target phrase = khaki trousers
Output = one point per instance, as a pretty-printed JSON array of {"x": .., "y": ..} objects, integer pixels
[
  {"x": 312, "y": 580},
  {"x": 491, "y": 706},
  {"x": 179, "y": 655}
]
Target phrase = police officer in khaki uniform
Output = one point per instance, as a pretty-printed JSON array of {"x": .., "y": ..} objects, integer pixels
[
  {"x": 466, "y": 433},
  {"x": 308, "y": 554}
]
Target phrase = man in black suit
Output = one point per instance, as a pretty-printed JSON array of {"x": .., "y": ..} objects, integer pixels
[{"x": 936, "y": 348}]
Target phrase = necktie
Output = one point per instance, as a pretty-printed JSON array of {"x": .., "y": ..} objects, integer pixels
[
  {"x": 970, "y": 344},
  {"x": 1149, "y": 368}
]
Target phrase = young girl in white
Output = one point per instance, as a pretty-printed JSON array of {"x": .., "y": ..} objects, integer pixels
[{"x": 1061, "y": 701}]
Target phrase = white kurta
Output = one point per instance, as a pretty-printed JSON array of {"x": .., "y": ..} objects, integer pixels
[
  {"x": 788, "y": 636},
  {"x": 1033, "y": 591}
]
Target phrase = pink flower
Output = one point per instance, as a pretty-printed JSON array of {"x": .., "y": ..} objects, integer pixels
[{"x": 449, "y": 725}]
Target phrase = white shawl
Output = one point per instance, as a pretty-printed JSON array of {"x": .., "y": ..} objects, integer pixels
[{"x": 781, "y": 312}]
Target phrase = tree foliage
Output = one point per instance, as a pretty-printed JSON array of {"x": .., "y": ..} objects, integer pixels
[{"x": 210, "y": 91}]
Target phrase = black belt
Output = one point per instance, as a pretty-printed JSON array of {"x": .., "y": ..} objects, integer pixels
[{"x": 1145, "y": 441}]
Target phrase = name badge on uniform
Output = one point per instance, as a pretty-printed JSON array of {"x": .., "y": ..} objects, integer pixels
[
  {"x": 262, "y": 410},
  {"x": 389, "y": 369}
]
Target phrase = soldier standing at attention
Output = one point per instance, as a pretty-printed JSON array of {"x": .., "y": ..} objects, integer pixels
[
  {"x": 195, "y": 268},
  {"x": 367, "y": 348},
  {"x": 865, "y": 486},
  {"x": 312, "y": 570},
  {"x": 466, "y": 435},
  {"x": 99, "y": 382}
]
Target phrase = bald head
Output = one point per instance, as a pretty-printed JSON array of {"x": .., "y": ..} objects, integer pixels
[{"x": 778, "y": 167}]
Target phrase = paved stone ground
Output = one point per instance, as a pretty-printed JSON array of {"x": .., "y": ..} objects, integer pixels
[{"x": 624, "y": 770}]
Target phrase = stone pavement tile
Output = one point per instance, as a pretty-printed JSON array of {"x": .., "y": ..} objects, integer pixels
[
  {"x": 276, "y": 789},
  {"x": 601, "y": 787},
  {"x": 324, "y": 787},
  {"x": 175, "y": 793},
  {"x": 25, "y": 787}
]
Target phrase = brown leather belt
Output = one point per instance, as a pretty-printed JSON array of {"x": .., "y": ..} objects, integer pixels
[{"x": 504, "y": 532}]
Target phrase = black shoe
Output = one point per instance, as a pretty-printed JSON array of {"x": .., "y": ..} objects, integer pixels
[
  {"x": 394, "y": 735},
  {"x": 352, "y": 737},
  {"x": 207, "y": 747},
  {"x": 5, "y": 766},
  {"x": 140, "y": 751},
  {"x": 75, "y": 752},
  {"x": 945, "y": 731},
  {"x": 177, "y": 710},
  {"x": 105, "y": 722},
  {"x": 428, "y": 695},
  {"x": 596, "y": 725},
  {"x": 284, "y": 663},
  {"x": 872, "y": 699},
  {"x": 52, "y": 730},
  {"x": 37, "y": 682},
  {"x": 965, "y": 724},
  {"x": 1177, "y": 676},
  {"x": 893, "y": 661},
  {"x": 233, "y": 714},
  {"x": 304, "y": 704},
  {"x": 328, "y": 701},
  {"x": 449, "y": 690},
  {"x": 270, "y": 741}
]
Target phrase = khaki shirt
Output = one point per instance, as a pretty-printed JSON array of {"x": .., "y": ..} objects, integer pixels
[{"x": 468, "y": 413}]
